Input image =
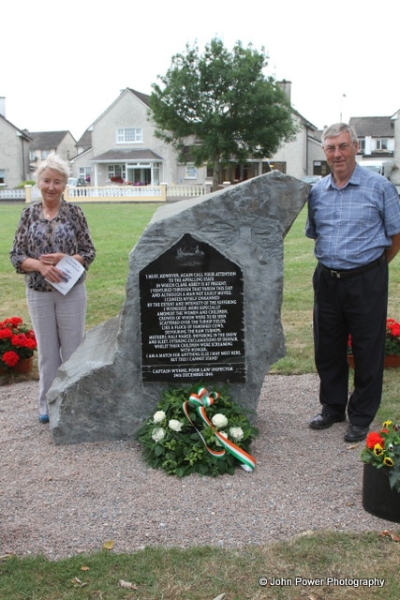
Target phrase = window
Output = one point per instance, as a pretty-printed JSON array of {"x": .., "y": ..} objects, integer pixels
[
  {"x": 361, "y": 145},
  {"x": 382, "y": 144},
  {"x": 85, "y": 173},
  {"x": 156, "y": 173},
  {"x": 116, "y": 171},
  {"x": 2, "y": 177},
  {"x": 130, "y": 135},
  {"x": 320, "y": 167},
  {"x": 44, "y": 154},
  {"x": 191, "y": 172},
  {"x": 32, "y": 155}
]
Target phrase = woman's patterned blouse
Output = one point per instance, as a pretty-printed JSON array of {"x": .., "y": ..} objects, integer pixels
[{"x": 68, "y": 233}]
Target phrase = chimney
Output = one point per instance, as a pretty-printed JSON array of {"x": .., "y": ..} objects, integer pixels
[
  {"x": 3, "y": 106},
  {"x": 286, "y": 87}
]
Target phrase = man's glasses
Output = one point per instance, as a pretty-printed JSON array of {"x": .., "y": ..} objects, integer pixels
[{"x": 332, "y": 149}]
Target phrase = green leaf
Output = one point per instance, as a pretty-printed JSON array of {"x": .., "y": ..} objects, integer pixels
[{"x": 159, "y": 450}]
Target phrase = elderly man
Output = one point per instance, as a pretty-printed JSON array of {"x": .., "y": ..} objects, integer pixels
[{"x": 354, "y": 218}]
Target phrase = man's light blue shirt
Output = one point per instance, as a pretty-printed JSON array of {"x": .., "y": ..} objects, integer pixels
[{"x": 352, "y": 226}]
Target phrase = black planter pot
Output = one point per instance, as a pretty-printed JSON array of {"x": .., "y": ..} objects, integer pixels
[{"x": 378, "y": 497}]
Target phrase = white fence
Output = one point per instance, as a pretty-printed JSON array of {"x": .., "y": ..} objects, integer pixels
[
  {"x": 6, "y": 194},
  {"x": 187, "y": 191},
  {"x": 121, "y": 193},
  {"x": 132, "y": 192}
]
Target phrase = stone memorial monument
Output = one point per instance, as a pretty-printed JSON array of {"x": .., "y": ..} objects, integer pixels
[{"x": 203, "y": 302}]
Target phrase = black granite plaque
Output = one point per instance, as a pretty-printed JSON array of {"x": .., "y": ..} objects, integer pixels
[{"x": 191, "y": 305}]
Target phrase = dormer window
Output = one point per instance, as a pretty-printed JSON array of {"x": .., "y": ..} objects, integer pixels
[{"x": 130, "y": 135}]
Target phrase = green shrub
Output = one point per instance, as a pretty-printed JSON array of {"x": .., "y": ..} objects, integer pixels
[{"x": 24, "y": 183}]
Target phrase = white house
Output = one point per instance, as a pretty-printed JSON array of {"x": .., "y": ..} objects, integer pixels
[
  {"x": 124, "y": 147},
  {"x": 14, "y": 152}
]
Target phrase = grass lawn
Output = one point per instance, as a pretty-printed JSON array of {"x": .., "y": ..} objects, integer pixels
[
  {"x": 337, "y": 563},
  {"x": 203, "y": 573}
]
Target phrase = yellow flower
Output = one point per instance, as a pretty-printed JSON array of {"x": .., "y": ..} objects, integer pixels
[
  {"x": 378, "y": 449},
  {"x": 386, "y": 424},
  {"x": 388, "y": 461}
]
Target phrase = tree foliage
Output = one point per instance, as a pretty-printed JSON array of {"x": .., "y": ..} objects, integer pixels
[{"x": 219, "y": 106}]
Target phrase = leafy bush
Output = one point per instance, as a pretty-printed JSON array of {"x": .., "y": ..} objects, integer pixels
[{"x": 21, "y": 185}]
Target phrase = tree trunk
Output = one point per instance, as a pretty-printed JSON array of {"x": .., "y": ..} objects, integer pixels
[{"x": 216, "y": 174}]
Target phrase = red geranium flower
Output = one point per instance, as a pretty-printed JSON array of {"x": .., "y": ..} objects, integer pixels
[
  {"x": 30, "y": 344},
  {"x": 19, "y": 340},
  {"x": 5, "y": 333},
  {"x": 10, "y": 358}
]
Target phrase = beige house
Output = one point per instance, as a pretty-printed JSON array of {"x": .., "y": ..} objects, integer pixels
[
  {"x": 121, "y": 146},
  {"x": 124, "y": 147},
  {"x": 14, "y": 152},
  {"x": 43, "y": 143},
  {"x": 303, "y": 155}
]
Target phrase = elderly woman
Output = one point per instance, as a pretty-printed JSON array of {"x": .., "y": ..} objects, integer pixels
[{"x": 47, "y": 231}]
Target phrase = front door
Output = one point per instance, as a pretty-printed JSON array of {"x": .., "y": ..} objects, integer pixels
[{"x": 139, "y": 174}]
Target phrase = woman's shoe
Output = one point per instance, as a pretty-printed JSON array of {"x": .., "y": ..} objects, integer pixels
[{"x": 44, "y": 419}]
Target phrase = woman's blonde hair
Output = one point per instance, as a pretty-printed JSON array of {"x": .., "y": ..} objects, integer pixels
[{"x": 53, "y": 161}]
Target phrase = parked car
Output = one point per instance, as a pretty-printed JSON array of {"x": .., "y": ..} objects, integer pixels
[{"x": 76, "y": 182}]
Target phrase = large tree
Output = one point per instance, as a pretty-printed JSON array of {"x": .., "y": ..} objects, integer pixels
[{"x": 220, "y": 107}]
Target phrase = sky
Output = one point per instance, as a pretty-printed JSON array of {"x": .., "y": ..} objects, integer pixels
[{"x": 64, "y": 64}]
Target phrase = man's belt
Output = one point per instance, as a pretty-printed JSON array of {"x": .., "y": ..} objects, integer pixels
[{"x": 352, "y": 272}]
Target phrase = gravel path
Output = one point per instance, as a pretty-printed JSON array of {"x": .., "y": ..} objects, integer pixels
[{"x": 62, "y": 500}]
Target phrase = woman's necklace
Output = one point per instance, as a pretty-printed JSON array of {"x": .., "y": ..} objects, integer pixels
[{"x": 50, "y": 213}]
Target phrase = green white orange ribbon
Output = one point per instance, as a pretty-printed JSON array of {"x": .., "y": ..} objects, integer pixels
[{"x": 200, "y": 402}]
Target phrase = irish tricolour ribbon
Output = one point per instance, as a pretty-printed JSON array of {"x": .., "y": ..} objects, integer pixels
[{"x": 200, "y": 402}]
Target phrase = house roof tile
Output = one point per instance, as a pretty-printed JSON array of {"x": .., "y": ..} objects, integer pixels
[
  {"x": 143, "y": 97},
  {"x": 23, "y": 132},
  {"x": 45, "y": 140},
  {"x": 85, "y": 141},
  {"x": 373, "y": 126},
  {"x": 117, "y": 155}
]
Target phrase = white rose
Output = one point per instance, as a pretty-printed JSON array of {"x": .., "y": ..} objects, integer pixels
[
  {"x": 159, "y": 416},
  {"x": 175, "y": 425},
  {"x": 236, "y": 433},
  {"x": 219, "y": 420},
  {"x": 158, "y": 434}
]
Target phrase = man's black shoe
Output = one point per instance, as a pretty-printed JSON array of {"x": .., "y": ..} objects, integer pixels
[
  {"x": 325, "y": 421},
  {"x": 355, "y": 433}
]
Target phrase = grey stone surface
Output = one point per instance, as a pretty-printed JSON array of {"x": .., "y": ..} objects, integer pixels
[{"x": 99, "y": 394}]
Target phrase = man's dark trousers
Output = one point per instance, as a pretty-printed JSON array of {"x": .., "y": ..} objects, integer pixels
[{"x": 355, "y": 305}]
